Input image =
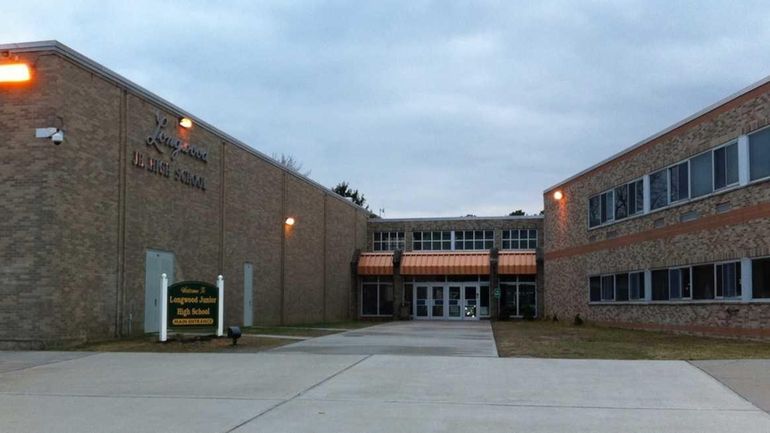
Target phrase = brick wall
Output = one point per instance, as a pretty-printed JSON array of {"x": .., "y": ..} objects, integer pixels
[
  {"x": 659, "y": 239},
  {"x": 80, "y": 217}
]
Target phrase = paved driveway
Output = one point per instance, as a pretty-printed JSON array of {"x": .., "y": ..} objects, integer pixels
[
  {"x": 303, "y": 392},
  {"x": 438, "y": 338}
]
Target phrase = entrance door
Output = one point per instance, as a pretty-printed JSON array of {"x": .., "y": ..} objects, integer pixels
[
  {"x": 455, "y": 301},
  {"x": 439, "y": 302},
  {"x": 156, "y": 263},
  {"x": 248, "y": 294},
  {"x": 471, "y": 302},
  {"x": 421, "y": 302}
]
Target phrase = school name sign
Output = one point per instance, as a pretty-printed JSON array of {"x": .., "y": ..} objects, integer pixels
[{"x": 193, "y": 304}]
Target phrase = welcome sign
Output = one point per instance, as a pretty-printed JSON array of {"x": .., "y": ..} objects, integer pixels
[{"x": 193, "y": 304}]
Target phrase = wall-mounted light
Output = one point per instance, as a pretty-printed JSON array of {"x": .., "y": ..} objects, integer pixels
[
  {"x": 185, "y": 122},
  {"x": 558, "y": 195},
  {"x": 14, "y": 73},
  {"x": 290, "y": 221}
]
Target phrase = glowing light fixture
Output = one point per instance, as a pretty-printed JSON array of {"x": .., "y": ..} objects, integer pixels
[
  {"x": 14, "y": 73},
  {"x": 290, "y": 221},
  {"x": 185, "y": 122},
  {"x": 558, "y": 195}
]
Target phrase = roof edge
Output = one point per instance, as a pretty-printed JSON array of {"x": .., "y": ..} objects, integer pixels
[
  {"x": 104, "y": 72},
  {"x": 482, "y": 218},
  {"x": 663, "y": 132}
]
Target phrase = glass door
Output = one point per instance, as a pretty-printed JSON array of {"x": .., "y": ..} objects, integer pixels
[
  {"x": 471, "y": 302},
  {"x": 454, "y": 302},
  {"x": 421, "y": 302},
  {"x": 439, "y": 302}
]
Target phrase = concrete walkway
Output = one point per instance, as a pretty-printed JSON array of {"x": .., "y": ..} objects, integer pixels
[
  {"x": 301, "y": 392},
  {"x": 436, "y": 338},
  {"x": 748, "y": 377}
]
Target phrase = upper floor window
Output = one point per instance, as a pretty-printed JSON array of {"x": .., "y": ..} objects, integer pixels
[
  {"x": 759, "y": 154},
  {"x": 388, "y": 241},
  {"x": 520, "y": 239},
  {"x": 616, "y": 204},
  {"x": 474, "y": 239},
  {"x": 432, "y": 241}
]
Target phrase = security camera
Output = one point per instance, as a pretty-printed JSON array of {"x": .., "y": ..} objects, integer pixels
[{"x": 57, "y": 137}]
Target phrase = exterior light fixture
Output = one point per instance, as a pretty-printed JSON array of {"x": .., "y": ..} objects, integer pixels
[
  {"x": 185, "y": 122},
  {"x": 558, "y": 195},
  {"x": 290, "y": 221},
  {"x": 14, "y": 73}
]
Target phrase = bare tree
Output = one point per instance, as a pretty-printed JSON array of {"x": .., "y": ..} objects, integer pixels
[{"x": 291, "y": 163}]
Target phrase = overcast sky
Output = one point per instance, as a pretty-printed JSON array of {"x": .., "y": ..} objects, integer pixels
[{"x": 430, "y": 108}]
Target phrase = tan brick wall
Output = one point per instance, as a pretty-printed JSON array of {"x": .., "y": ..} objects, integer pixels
[
  {"x": 81, "y": 217},
  {"x": 658, "y": 239}
]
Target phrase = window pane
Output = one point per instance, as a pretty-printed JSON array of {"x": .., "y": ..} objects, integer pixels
[
  {"x": 621, "y": 202},
  {"x": 608, "y": 288},
  {"x": 760, "y": 277},
  {"x": 701, "y": 174},
  {"x": 658, "y": 189},
  {"x": 675, "y": 284},
  {"x": 621, "y": 287},
  {"x": 369, "y": 299},
  {"x": 594, "y": 212},
  {"x": 660, "y": 285},
  {"x": 386, "y": 299},
  {"x": 759, "y": 154},
  {"x": 720, "y": 174},
  {"x": 678, "y": 182},
  {"x": 732, "y": 164},
  {"x": 638, "y": 197},
  {"x": 610, "y": 206},
  {"x": 703, "y": 282},
  {"x": 634, "y": 286},
  {"x": 595, "y": 287}
]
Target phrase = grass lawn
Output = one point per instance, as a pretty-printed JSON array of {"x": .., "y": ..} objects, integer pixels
[
  {"x": 308, "y": 329},
  {"x": 188, "y": 344},
  {"x": 561, "y": 340}
]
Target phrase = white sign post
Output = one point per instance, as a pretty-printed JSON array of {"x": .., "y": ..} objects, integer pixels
[
  {"x": 163, "y": 307},
  {"x": 221, "y": 324}
]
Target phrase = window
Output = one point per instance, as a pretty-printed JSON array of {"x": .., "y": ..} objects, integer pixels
[
  {"x": 601, "y": 209},
  {"x": 474, "y": 240},
  {"x": 759, "y": 154},
  {"x": 608, "y": 288},
  {"x": 432, "y": 241},
  {"x": 678, "y": 182},
  {"x": 388, "y": 241},
  {"x": 660, "y": 285},
  {"x": 728, "y": 280},
  {"x": 376, "y": 297},
  {"x": 726, "y": 166},
  {"x": 760, "y": 278},
  {"x": 595, "y": 288},
  {"x": 594, "y": 211},
  {"x": 629, "y": 199},
  {"x": 701, "y": 174},
  {"x": 621, "y": 287},
  {"x": 658, "y": 189},
  {"x": 520, "y": 239},
  {"x": 679, "y": 283},
  {"x": 703, "y": 282},
  {"x": 636, "y": 286}
]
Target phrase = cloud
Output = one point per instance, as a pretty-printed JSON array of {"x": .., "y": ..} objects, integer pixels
[{"x": 431, "y": 108}]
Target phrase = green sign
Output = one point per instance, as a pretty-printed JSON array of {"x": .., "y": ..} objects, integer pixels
[
  {"x": 497, "y": 293},
  {"x": 193, "y": 304}
]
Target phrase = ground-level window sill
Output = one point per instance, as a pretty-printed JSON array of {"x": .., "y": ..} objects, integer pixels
[{"x": 685, "y": 302}]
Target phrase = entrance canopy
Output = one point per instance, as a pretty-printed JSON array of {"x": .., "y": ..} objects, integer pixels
[
  {"x": 445, "y": 263},
  {"x": 375, "y": 264},
  {"x": 448, "y": 263},
  {"x": 516, "y": 263}
]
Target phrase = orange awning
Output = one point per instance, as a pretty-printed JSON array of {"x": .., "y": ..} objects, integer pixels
[
  {"x": 445, "y": 263},
  {"x": 375, "y": 264},
  {"x": 510, "y": 263}
]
